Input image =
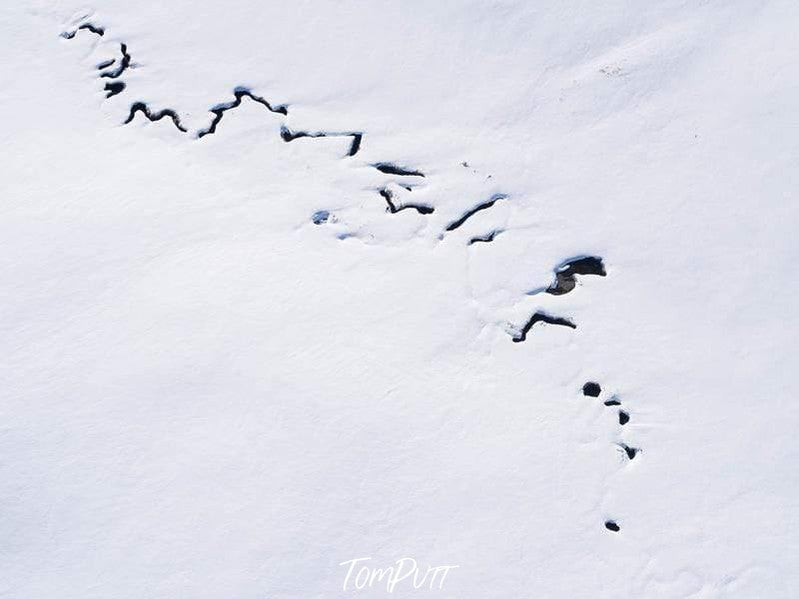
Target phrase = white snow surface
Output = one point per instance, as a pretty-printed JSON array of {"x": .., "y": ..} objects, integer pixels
[{"x": 204, "y": 394}]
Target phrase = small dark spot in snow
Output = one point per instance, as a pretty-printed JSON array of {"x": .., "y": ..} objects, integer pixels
[
  {"x": 613, "y": 401},
  {"x": 612, "y": 526},
  {"x": 624, "y": 417}
]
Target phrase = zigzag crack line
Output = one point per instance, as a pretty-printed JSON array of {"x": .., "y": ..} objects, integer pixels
[
  {"x": 123, "y": 65},
  {"x": 565, "y": 274},
  {"x": 545, "y": 318},
  {"x": 393, "y": 209},
  {"x": 288, "y": 135},
  {"x": 154, "y": 116},
  {"x": 96, "y": 29},
  {"x": 484, "y": 206},
  {"x": 390, "y": 168},
  {"x": 218, "y": 111},
  {"x": 238, "y": 93}
]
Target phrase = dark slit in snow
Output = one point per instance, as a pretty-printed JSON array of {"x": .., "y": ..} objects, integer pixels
[
  {"x": 393, "y": 208},
  {"x": 488, "y": 238},
  {"x": 483, "y": 206},
  {"x": 545, "y": 318},
  {"x": 96, "y": 29},
  {"x": 288, "y": 135},
  {"x": 390, "y": 168}
]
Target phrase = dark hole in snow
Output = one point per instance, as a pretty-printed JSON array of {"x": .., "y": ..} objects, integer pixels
[
  {"x": 592, "y": 389},
  {"x": 624, "y": 417},
  {"x": 320, "y": 217},
  {"x": 114, "y": 88},
  {"x": 613, "y": 401},
  {"x": 565, "y": 273},
  {"x": 630, "y": 451},
  {"x": 612, "y": 526}
]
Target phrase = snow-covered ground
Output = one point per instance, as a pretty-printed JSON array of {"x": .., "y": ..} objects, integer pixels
[{"x": 228, "y": 367}]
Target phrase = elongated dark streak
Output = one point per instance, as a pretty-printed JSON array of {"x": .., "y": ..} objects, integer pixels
[
  {"x": 356, "y": 144},
  {"x": 392, "y": 169},
  {"x": 485, "y": 238}
]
